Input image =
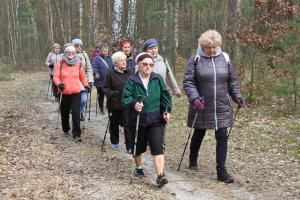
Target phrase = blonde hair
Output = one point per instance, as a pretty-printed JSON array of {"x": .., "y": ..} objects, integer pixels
[
  {"x": 117, "y": 56},
  {"x": 210, "y": 37}
]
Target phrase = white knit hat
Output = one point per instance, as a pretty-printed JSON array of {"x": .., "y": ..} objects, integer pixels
[
  {"x": 70, "y": 48},
  {"x": 77, "y": 41}
]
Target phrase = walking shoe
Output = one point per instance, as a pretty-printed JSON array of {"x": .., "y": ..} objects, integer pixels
[
  {"x": 161, "y": 180},
  {"x": 102, "y": 112},
  {"x": 193, "y": 165},
  {"x": 77, "y": 139},
  {"x": 129, "y": 151},
  {"x": 116, "y": 146},
  {"x": 66, "y": 134},
  {"x": 223, "y": 176},
  {"x": 139, "y": 172},
  {"x": 81, "y": 117}
]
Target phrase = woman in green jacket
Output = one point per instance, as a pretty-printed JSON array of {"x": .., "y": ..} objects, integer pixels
[{"x": 145, "y": 93}]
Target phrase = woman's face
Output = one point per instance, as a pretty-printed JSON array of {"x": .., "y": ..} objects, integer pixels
[
  {"x": 126, "y": 48},
  {"x": 146, "y": 66},
  {"x": 121, "y": 63},
  {"x": 70, "y": 54},
  {"x": 56, "y": 50},
  {"x": 104, "y": 52},
  {"x": 78, "y": 48},
  {"x": 153, "y": 51},
  {"x": 211, "y": 50}
]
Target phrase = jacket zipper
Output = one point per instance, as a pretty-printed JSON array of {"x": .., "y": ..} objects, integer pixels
[{"x": 215, "y": 93}]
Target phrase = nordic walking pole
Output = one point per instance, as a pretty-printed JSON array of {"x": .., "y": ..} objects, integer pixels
[
  {"x": 58, "y": 110},
  {"x": 107, "y": 126},
  {"x": 233, "y": 122},
  {"x": 165, "y": 129},
  {"x": 83, "y": 129},
  {"x": 188, "y": 140},
  {"x": 49, "y": 85},
  {"x": 90, "y": 104},
  {"x": 136, "y": 137}
]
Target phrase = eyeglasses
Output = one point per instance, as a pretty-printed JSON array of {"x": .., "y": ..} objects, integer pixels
[{"x": 147, "y": 64}]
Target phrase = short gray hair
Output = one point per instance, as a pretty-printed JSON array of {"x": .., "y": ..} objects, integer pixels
[
  {"x": 117, "y": 56},
  {"x": 210, "y": 37}
]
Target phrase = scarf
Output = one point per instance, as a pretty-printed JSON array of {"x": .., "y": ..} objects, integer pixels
[{"x": 70, "y": 62}]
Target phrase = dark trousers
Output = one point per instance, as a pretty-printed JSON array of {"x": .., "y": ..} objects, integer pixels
[
  {"x": 116, "y": 119},
  {"x": 54, "y": 88},
  {"x": 100, "y": 97},
  {"x": 221, "y": 146},
  {"x": 71, "y": 102}
]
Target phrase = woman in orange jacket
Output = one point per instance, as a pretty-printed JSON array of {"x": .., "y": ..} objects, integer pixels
[{"x": 68, "y": 75}]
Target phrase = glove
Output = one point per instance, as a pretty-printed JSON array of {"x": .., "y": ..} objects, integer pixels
[
  {"x": 61, "y": 86},
  {"x": 51, "y": 66},
  {"x": 88, "y": 89},
  {"x": 240, "y": 103},
  {"x": 91, "y": 84},
  {"x": 97, "y": 76},
  {"x": 199, "y": 104},
  {"x": 114, "y": 94}
]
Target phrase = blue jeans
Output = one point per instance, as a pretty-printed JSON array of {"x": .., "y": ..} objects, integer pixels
[{"x": 83, "y": 100}]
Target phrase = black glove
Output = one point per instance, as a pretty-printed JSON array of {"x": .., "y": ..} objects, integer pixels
[
  {"x": 88, "y": 88},
  {"x": 51, "y": 66},
  {"x": 114, "y": 94},
  {"x": 61, "y": 86}
]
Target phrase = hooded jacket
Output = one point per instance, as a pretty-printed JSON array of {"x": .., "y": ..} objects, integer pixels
[{"x": 213, "y": 79}]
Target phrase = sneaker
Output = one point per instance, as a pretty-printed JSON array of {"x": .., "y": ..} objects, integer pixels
[
  {"x": 102, "y": 112},
  {"x": 77, "y": 139},
  {"x": 223, "y": 176},
  {"x": 81, "y": 117},
  {"x": 193, "y": 165},
  {"x": 161, "y": 180},
  {"x": 139, "y": 172},
  {"x": 66, "y": 134},
  {"x": 115, "y": 146},
  {"x": 129, "y": 151}
]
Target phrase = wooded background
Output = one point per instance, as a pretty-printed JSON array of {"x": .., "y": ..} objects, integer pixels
[{"x": 262, "y": 37}]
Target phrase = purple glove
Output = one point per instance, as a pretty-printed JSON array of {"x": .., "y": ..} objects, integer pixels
[
  {"x": 199, "y": 104},
  {"x": 240, "y": 103}
]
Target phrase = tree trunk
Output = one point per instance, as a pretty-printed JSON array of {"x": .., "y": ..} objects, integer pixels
[
  {"x": 80, "y": 17},
  {"x": 95, "y": 31},
  {"x": 35, "y": 33},
  {"x": 176, "y": 31},
  {"x": 10, "y": 32},
  {"x": 165, "y": 25},
  {"x": 117, "y": 18},
  {"x": 131, "y": 25},
  {"x": 60, "y": 21}
]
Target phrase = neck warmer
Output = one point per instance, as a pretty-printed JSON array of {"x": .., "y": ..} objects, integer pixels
[{"x": 70, "y": 62}]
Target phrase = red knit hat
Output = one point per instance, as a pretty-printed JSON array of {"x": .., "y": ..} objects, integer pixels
[{"x": 123, "y": 42}]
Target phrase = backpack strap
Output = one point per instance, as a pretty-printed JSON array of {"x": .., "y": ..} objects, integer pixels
[{"x": 226, "y": 56}]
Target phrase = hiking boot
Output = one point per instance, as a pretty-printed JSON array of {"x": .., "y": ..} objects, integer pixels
[
  {"x": 161, "y": 180},
  {"x": 77, "y": 139},
  {"x": 193, "y": 165},
  {"x": 102, "y": 112},
  {"x": 81, "y": 117},
  {"x": 139, "y": 172},
  {"x": 66, "y": 134},
  {"x": 223, "y": 176}
]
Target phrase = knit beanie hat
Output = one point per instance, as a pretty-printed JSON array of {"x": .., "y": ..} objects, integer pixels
[
  {"x": 124, "y": 41},
  {"x": 150, "y": 43},
  {"x": 142, "y": 56},
  {"x": 77, "y": 42},
  {"x": 69, "y": 48}
]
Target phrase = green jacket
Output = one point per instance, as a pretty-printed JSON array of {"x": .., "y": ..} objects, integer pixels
[{"x": 156, "y": 99}]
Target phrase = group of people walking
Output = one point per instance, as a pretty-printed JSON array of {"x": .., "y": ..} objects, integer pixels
[{"x": 135, "y": 86}]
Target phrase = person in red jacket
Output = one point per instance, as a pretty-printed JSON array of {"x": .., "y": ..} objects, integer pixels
[{"x": 68, "y": 76}]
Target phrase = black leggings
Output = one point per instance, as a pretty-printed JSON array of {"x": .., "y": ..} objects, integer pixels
[
  {"x": 221, "y": 146},
  {"x": 100, "y": 97}
]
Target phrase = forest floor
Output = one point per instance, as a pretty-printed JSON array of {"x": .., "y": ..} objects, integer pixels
[{"x": 37, "y": 162}]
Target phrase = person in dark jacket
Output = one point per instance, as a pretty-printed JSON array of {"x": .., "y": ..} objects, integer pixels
[
  {"x": 113, "y": 90},
  {"x": 146, "y": 93},
  {"x": 209, "y": 82},
  {"x": 126, "y": 47},
  {"x": 101, "y": 63}
]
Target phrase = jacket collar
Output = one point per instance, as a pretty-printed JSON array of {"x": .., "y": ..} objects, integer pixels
[
  {"x": 136, "y": 77},
  {"x": 201, "y": 52}
]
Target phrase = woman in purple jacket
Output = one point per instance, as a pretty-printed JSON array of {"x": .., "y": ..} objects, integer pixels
[{"x": 209, "y": 82}]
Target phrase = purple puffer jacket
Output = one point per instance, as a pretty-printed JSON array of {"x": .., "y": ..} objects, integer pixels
[{"x": 213, "y": 80}]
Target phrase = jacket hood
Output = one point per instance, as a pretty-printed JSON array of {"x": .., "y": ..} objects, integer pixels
[{"x": 201, "y": 52}]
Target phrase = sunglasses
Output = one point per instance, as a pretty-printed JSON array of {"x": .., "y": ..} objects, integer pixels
[{"x": 147, "y": 64}]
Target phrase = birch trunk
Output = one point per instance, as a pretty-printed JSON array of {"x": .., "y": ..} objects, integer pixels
[
  {"x": 131, "y": 25},
  {"x": 60, "y": 21},
  {"x": 176, "y": 30},
  {"x": 117, "y": 17},
  {"x": 80, "y": 18},
  {"x": 95, "y": 32},
  {"x": 35, "y": 33},
  {"x": 10, "y": 32},
  {"x": 165, "y": 25},
  {"x": 51, "y": 23}
]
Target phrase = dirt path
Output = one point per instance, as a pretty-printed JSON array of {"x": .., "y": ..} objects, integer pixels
[{"x": 37, "y": 162}]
